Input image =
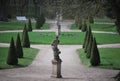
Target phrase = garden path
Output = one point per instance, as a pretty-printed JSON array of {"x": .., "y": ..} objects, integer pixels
[{"x": 72, "y": 68}]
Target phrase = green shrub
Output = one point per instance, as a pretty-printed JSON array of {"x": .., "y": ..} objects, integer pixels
[
  {"x": 87, "y": 39},
  {"x": 89, "y": 46},
  {"x": 40, "y": 21},
  {"x": 29, "y": 25},
  {"x": 95, "y": 57},
  {"x": 26, "y": 41},
  {"x": 19, "y": 49},
  {"x": 84, "y": 26},
  {"x": 12, "y": 55},
  {"x": 91, "y": 19}
]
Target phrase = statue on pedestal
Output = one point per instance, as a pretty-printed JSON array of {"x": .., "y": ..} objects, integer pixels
[{"x": 55, "y": 49}]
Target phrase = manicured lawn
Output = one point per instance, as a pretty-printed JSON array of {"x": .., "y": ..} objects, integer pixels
[
  {"x": 71, "y": 38},
  {"x": 99, "y": 27},
  {"x": 35, "y": 37},
  {"x": 17, "y": 25},
  {"x": 109, "y": 58},
  {"x": 103, "y": 27},
  {"x": 29, "y": 55},
  {"x": 65, "y": 37},
  {"x": 104, "y": 20}
]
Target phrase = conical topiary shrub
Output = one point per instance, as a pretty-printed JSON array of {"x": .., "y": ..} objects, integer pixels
[
  {"x": 25, "y": 28},
  {"x": 26, "y": 41},
  {"x": 87, "y": 39},
  {"x": 40, "y": 21},
  {"x": 95, "y": 57},
  {"x": 84, "y": 26},
  {"x": 84, "y": 42},
  {"x": 29, "y": 25},
  {"x": 19, "y": 49},
  {"x": 12, "y": 55},
  {"x": 89, "y": 46},
  {"x": 91, "y": 19}
]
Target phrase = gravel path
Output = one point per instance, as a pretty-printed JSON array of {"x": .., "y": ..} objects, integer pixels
[{"x": 72, "y": 68}]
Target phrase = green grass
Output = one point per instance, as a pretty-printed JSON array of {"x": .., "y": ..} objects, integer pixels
[
  {"x": 109, "y": 58},
  {"x": 68, "y": 38},
  {"x": 71, "y": 38},
  {"x": 104, "y": 20},
  {"x": 29, "y": 55},
  {"x": 98, "y": 27},
  {"x": 17, "y": 25},
  {"x": 103, "y": 27}
]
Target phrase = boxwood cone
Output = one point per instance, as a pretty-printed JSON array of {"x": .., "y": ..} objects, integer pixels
[
  {"x": 19, "y": 49},
  {"x": 95, "y": 57},
  {"x": 12, "y": 55}
]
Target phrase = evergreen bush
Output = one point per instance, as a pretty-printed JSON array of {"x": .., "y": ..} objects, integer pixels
[
  {"x": 87, "y": 39},
  {"x": 95, "y": 57},
  {"x": 40, "y": 21},
  {"x": 91, "y": 19},
  {"x": 25, "y": 28},
  {"x": 84, "y": 42},
  {"x": 29, "y": 25},
  {"x": 84, "y": 26},
  {"x": 89, "y": 46},
  {"x": 12, "y": 55},
  {"x": 26, "y": 41},
  {"x": 19, "y": 49}
]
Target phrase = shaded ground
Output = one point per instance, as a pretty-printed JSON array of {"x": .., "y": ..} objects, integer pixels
[{"x": 72, "y": 68}]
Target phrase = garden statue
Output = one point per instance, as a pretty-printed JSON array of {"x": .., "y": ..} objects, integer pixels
[
  {"x": 55, "y": 48},
  {"x": 56, "y": 62}
]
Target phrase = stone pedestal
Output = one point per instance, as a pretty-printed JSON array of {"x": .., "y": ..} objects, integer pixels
[{"x": 56, "y": 68}]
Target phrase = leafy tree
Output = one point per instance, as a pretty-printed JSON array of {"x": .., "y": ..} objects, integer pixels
[
  {"x": 29, "y": 25},
  {"x": 19, "y": 49},
  {"x": 95, "y": 57},
  {"x": 26, "y": 41},
  {"x": 12, "y": 55}
]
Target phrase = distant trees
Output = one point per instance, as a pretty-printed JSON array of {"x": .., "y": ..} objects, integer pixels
[
  {"x": 3, "y": 10},
  {"x": 113, "y": 11}
]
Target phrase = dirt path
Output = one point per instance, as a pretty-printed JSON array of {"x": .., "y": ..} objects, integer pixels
[{"x": 72, "y": 68}]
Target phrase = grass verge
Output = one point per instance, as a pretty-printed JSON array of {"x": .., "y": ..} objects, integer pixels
[
  {"x": 109, "y": 58},
  {"x": 17, "y": 25},
  {"x": 29, "y": 55}
]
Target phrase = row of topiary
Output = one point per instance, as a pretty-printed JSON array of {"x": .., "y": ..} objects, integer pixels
[
  {"x": 90, "y": 48},
  {"x": 16, "y": 51},
  {"x": 81, "y": 23}
]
